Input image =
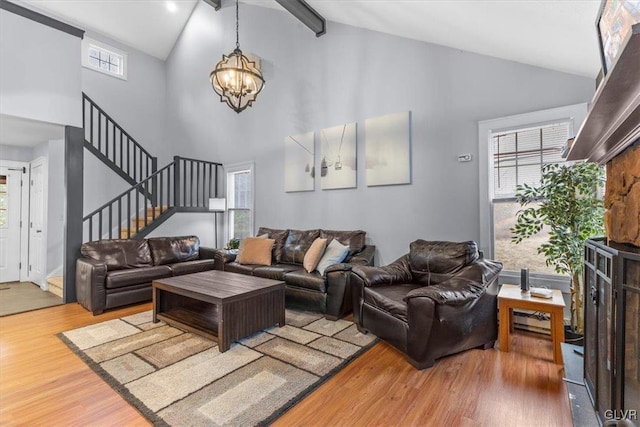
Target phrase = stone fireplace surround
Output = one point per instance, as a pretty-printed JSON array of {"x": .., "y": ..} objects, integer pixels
[
  {"x": 611, "y": 135},
  {"x": 622, "y": 197}
]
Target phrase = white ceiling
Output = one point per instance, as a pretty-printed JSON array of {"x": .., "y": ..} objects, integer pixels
[
  {"x": 27, "y": 133},
  {"x": 555, "y": 34}
]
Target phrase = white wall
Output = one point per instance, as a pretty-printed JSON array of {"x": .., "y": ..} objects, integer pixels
[
  {"x": 348, "y": 75},
  {"x": 39, "y": 71},
  {"x": 53, "y": 152}
]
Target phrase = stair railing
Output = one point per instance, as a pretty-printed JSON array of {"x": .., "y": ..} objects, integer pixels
[
  {"x": 184, "y": 185},
  {"x": 108, "y": 141}
]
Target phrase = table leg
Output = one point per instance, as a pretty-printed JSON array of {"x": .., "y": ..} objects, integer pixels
[
  {"x": 223, "y": 340},
  {"x": 154, "y": 296},
  {"x": 505, "y": 325},
  {"x": 557, "y": 335}
]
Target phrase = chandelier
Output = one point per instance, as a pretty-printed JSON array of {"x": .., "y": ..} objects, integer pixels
[{"x": 237, "y": 79}]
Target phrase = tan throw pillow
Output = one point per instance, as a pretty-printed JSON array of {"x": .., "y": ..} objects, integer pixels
[
  {"x": 255, "y": 251},
  {"x": 241, "y": 247},
  {"x": 313, "y": 255}
]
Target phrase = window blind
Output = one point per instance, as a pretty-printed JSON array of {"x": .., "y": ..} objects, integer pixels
[{"x": 518, "y": 156}]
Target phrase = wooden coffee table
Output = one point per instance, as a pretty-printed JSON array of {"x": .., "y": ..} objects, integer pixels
[{"x": 219, "y": 305}]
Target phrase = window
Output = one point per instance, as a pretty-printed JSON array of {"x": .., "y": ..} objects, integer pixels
[
  {"x": 507, "y": 163},
  {"x": 518, "y": 158},
  {"x": 239, "y": 201},
  {"x": 104, "y": 58}
]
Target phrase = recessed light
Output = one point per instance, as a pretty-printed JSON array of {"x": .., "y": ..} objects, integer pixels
[{"x": 171, "y": 6}]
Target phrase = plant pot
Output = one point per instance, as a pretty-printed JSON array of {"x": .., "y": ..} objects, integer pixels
[{"x": 571, "y": 337}]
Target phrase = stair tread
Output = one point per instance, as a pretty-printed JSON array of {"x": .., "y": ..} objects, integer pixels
[{"x": 57, "y": 281}]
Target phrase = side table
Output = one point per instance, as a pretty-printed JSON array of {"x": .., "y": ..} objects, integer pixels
[{"x": 510, "y": 297}]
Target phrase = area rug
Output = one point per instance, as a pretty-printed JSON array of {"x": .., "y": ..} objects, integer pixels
[{"x": 176, "y": 378}]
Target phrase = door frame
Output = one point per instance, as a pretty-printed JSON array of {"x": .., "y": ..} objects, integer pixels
[
  {"x": 45, "y": 192},
  {"x": 24, "y": 214}
]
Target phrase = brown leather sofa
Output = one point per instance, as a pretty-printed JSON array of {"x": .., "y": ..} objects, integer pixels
[
  {"x": 439, "y": 299},
  {"x": 329, "y": 293},
  {"x": 113, "y": 273}
]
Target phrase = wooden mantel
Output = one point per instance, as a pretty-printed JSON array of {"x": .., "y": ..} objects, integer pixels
[{"x": 613, "y": 121}]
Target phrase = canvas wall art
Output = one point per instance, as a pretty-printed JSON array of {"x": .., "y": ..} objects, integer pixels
[
  {"x": 338, "y": 157},
  {"x": 388, "y": 149},
  {"x": 299, "y": 160}
]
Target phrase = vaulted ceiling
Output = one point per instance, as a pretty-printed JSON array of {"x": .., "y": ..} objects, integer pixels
[{"x": 554, "y": 34}]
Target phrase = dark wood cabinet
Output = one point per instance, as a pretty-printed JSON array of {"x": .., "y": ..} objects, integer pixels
[{"x": 612, "y": 329}]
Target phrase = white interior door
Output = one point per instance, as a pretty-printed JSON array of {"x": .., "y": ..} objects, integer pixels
[
  {"x": 37, "y": 204},
  {"x": 10, "y": 210}
]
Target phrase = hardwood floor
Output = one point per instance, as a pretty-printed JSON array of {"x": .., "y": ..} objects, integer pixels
[{"x": 43, "y": 383}]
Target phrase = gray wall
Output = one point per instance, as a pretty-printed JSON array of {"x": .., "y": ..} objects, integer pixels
[
  {"x": 138, "y": 105},
  {"x": 39, "y": 71},
  {"x": 349, "y": 75}
]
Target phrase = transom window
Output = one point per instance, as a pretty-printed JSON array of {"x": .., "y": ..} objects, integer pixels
[{"x": 104, "y": 58}]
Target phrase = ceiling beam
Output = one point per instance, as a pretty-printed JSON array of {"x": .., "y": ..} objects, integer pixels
[
  {"x": 216, "y": 4},
  {"x": 306, "y": 14}
]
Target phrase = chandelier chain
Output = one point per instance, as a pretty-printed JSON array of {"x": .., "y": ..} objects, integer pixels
[{"x": 237, "y": 27}]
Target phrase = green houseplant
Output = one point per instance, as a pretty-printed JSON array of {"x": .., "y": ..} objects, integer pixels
[{"x": 567, "y": 203}]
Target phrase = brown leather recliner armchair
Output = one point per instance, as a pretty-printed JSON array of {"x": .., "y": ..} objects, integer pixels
[{"x": 439, "y": 299}]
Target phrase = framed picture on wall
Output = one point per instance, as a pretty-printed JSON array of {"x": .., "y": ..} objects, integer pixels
[
  {"x": 614, "y": 24},
  {"x": 338, "y": 157},
  {"x": 299, "y": 161},
  {"x": 388, "y": 149}
]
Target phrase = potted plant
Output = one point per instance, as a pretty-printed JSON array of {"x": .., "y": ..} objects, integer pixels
[
  {"x": 569, "y": 206},
  {"x": 233, "y": 244}
]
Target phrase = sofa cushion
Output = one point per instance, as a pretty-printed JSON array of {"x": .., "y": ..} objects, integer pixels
[
  {"x": 136, "y": 276},
  {"x": 354, "y": 239},
  {"x": 441, "y": 257},
  {"x": 314, "y": 254},
  {"x": 280, "y": 236},
  {"x": 169, "y": 250},
  {"x": 389, "y": 298},
  {"x": 119, "y": 254},
  {"x": 334, "y": 254},
  {"x": 195, "y": 266},
  {"x": 297, "y": 244},
  {"x": 302, "y": 279},
  {"x": 234, "y": 267},
  {"x": 276, "y": 271},
  {"x": 255, "y": 250}
]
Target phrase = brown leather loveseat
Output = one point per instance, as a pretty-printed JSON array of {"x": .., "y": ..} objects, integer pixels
[
  {"x": 113, "y": 273},
  {"x": 439, "y": 299},
  {"x": 329, "y": 293}
]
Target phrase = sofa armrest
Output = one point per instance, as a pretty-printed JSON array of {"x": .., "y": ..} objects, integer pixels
[
  {"x": 90, "y": 284},
  {"x": 466, "y": 285},
  {"x": 364, "y": 257},
  {"x": 207, "y": 253},
  {"x": 222, "y": 257},
  {"x": 396, "y": 272}
]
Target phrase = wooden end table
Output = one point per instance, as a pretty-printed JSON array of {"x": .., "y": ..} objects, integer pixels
[
  {"x": 219, "y": 305},
  {"x": 511, "y": 297}
]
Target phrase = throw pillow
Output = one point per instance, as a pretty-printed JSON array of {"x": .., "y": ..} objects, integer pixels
[
  {"x": 263, "y": 236},
  {"x": 313, "y": 255},
  {"x": 255, "y": 251},
  {"x": 334, "y": 254}
]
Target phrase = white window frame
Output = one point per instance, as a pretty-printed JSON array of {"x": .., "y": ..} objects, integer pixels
[
  {"x": 230, "y": 170},
  {"x": 88, "y": 43},
  {"x": 575, "y": 115}
]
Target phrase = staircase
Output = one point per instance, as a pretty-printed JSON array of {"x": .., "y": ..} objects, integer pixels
[{"x": 184, "y": 185}]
